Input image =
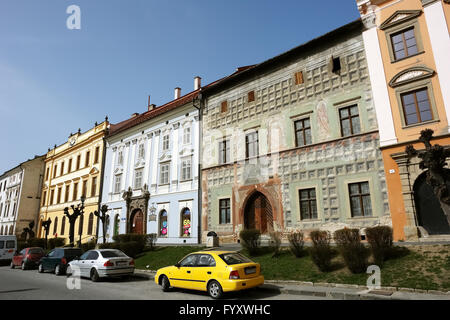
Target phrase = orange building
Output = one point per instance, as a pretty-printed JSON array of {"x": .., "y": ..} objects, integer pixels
[{"x": 408, "y": 51}]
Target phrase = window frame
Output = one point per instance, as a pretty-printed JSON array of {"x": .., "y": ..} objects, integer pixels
[
  {"x": 224, "y": 156},
  {"x": 135, "y": 185},
  {"x": 309, "y": 201},
  {"x": 117, "y": 178},
  {"x": 228, "y": 213},
  {"x": 303, "y": 130},
  {"x": 184, "y": 170},
  {"x": 350, "y": 117},
  {"x": 360, "y": 195},
  {"x": 161, "y": 183},
  {"x": 247, "y": 144}
]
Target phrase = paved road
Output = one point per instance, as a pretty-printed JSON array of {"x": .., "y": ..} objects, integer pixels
[{"x": 17, "y": 284}]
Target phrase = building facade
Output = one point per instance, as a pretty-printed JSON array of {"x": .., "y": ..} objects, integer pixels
[
  {"x": 151, "y": 183},
  {"x": 293, "y": 144},
  {"x": 73, "y": 171},
  {"x": 20, "y": 192},
  {"x": 408, "y": 48}
]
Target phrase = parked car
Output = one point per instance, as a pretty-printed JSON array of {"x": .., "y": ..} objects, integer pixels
[
  {"x": 28, "y": 257},
  {"x": 57, "y": 260},
  {"x": 213, "y": 271},
  {"x": 96, "y": 264},
  {"x": 8, "y": 246}
]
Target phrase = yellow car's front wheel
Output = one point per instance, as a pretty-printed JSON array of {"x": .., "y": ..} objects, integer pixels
[
  {"x": 215, "y": 289},
  {"x": 165, "y": 284}
]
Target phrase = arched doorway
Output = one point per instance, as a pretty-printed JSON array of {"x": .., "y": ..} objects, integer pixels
[
  {"x": 137, "y": 222},
  {"x": 429, "y": 212},
  {"x": 258, "y": 213}
]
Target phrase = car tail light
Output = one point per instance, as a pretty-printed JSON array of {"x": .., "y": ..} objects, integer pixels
[
  {"x": 108, "y": 264},
  {"x": 27, "y": 256},
  {"x": 132, "y": 262},
  {"x": 64, "y": 261},
  {"x": 234, "y": 274}
]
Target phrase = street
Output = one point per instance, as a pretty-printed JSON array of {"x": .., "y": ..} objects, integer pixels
[{"x": 16, "y": 284}]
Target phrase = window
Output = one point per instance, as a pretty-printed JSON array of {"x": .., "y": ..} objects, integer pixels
[
  {"x": 349, "y": 117},
  {"x": 166, "y": 142},
  {"x": 66, "y": 196},
  {"x": 416, "y": 106},
  {"x": 138, "y": 178},
  {"x": 62, "y": 169},
  {"x": 55, "y": 226},
  {"x": 224, "y": 211},
  {"x": 80, "y": 225},
  {"x": 163, "y": 223},
  {"x": 116, "y": 224},
  {"x": 87, "y": 159},
  {"x": 46, "y": 176},
  {"x": 302, "y": 132},
  {"x": 299, "y": 78},
  {"x": 52, "y": 196},
  {"x": 69, "y": 169},
  {"x": 43, "y": 198},
  {"x": 251, "y": 96},
  {"x": 96, "y": 154},
  {"x": 78, "y": 161},
  {"x": 141, "y": 151},
  {"x": 360, "y": 199},
  {"x": 94, "y": 187},
  {"x": 120, "y": 158},
  {"x": 224, "y": 151},
  {"x": 190, "y": 261},
  {"x": 93, "y": 255},
  {"x": 63, "y": 225},
  {"x": 84, "y": 188},
  {"x": 164, "y": 173},
  {"x": 206, "y": 260},
  {"x": 404, "y": 44},
  {"x": 224, "y": 106},
  {"x": 75, "y": 191},
  {"x": 187, "y": 135},
  {"x": 59, "y": 195},
  {"x": 117, "y": 182},
  {"x": 336, "y": 65},
  {"x": 55, "y": 168},
  {"x": 186, "y": 222},
  {"x": 90, "y": 223},
  {"x": 251, "y": 143},
  {"x": 186, "y": 169},
  {"x": 308, "y": 204}
]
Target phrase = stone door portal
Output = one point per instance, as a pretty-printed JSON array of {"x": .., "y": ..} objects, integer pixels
[
  {"x": 258, "y": 213},
  {"x": 137, "y": 222}
]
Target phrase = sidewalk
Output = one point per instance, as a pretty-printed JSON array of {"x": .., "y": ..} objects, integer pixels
[{"x": 336, "y": 291}]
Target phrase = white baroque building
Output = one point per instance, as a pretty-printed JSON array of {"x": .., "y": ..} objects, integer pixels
[{"x": 151, "y": 175}]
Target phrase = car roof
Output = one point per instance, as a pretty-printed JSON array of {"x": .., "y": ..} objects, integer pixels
[{"x": 217, "y": 252}]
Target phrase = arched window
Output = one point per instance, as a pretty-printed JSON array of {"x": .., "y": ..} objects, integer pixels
[
  {"x": 80, "y": 226},
  {"x": 163, "y": 223},
  {"x": 116, "y": 224},
  {"x": 55, "y": 226},
  {"x": 11, "y": 230},
  {"x": 91, "y": 223},
  {"x": 186, "y": 222},
  {"x": 63, "y": 225}
]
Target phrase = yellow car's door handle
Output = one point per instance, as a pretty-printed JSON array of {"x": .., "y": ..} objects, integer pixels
[
  {"x": 188, "y": 271},
  {"x": 209, "y": 272}
]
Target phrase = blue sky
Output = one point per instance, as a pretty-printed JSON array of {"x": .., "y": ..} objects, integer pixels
[{"x": 54, "y": 80}]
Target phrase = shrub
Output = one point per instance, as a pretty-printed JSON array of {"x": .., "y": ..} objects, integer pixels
[
  {"x": 141, "y": 239},
  {"x": 321, "y": 251},
  {"x": 275, "y": 243},
  {"x": 108, "y": 245},
  {"x": 151, "y": 239},
  {"x": 296, "y": 244},
  {"x": 355, "y": 254},
  {"x": 380, "y": 239},
  {"x": 130, "y": 248},
  {"x": 250, "y": 240},
  {"x": 56, "y": 242},
  {"x": 36, "y": 242},
  {"x": 88, "y": 245}
]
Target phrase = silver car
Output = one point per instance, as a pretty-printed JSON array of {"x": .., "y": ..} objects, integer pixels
[{"x": 96, "y": 264}]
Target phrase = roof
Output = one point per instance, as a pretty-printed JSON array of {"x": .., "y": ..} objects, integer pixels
[{"x": 140, "y": 118}]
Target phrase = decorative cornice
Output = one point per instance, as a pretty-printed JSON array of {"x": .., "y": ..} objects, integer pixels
[
  {"x": 157, "y": 133},
  {"x": 410, "y": 75},
  {"x": 134, "y": 141},
  {"x": 400, "y": 16},
  {"x": 127, "y": 144},
  {"x": 176, "y": 125}
]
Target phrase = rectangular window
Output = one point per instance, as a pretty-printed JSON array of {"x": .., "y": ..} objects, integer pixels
[
  {"x": 336, "y": 62},
  {"x": 78, "y": 161},
  {"x": 55, "y": 168},
  {"x": 117, "y": 183},
  {"x": 224, "y": 106},
  {"x": 186, "y": 169},
  {"x": 94, "y": 187},
  {"x": 84, "y": 188},
  {"x": 164, "y": 173},
  {"x": 75, "y": 191},
  {"x": 66, "y": 196},
  {"x": 166, "y": 142},
  {"x": 251, "y": 96},
  {"x": 43, "y": 198},
  {"x": 62, "y": 169},
  {"x": 299, "y": 78},
  {"x": 138, "y": 178},
  {"x": 97, "y": 154},
  {"x": 349, "y": 118},
  {"x": 87, "y": 159},
  {"x": 251, "y": 143},
  {"x": 187, "y": 135},
  {"x": 360, "y": 199},
  {"x": 225, "y": 211},
  {"x": 120, "y": 158},
  {"x": 69, "y": 169},
  {"x": 416, "y": 106},
  {"x": 224, "y": 151},
  {"x": 303, "y": 132},
  {"x": 404, "y": 44},
  {"x": 52, "y": 196},
  {"x": 308, "y": 204},
  {"x": 141, "y": 151},
  {"x": 59, "y": 195},
  {"x": 46, "y": 176}
]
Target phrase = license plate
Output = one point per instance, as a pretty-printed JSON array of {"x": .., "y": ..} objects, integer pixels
[
  {"x": 122, "y": 263},
  {"x": 250, "y": 270}
]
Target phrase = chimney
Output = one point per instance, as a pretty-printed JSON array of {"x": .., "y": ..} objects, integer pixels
[
  {"x": 197, "y": 83},
  {"x": 134, "y": 114},
  {"x": 177, "y": 93},
  {"x": 151, "y": 107}
]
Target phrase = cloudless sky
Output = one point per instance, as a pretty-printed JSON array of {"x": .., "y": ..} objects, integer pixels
[{"x": 54, "y": 80}]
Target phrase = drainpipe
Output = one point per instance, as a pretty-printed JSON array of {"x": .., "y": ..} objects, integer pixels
[
  {"x": 101, "y": 178},
  {"x": 199, "y": 107}
]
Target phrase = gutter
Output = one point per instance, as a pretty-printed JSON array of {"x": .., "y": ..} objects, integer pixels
[{"x": 199, "y": 98}]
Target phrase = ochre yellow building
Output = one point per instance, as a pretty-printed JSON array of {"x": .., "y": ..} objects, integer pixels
[
  {"x": 73, "y": 170},
  {"x": 408, "y": 48}
]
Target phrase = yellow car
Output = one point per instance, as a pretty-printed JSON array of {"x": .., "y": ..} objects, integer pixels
[{"x": 213, "y": 271}]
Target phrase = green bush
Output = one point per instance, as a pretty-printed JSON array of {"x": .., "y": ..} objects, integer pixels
[
  {"x": 131, "y": 248},
  {"x": 151, "y": 239},
  {"x": 321, "y": 251},
  {"x": 355, "y": 254},
  {"x": 380, "y": 239},
  {"x": 56, "y": 242},
  {"x": 108, "y": 245},
  {"x": 275, "y": 243},
  {"x": 36, "y": 242},
  {"x": 296, "y": 244},
  {"x": 88, "y": 246},
  {"x": 140, "y": 239},
  {"x": 250, "y": 240}
]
